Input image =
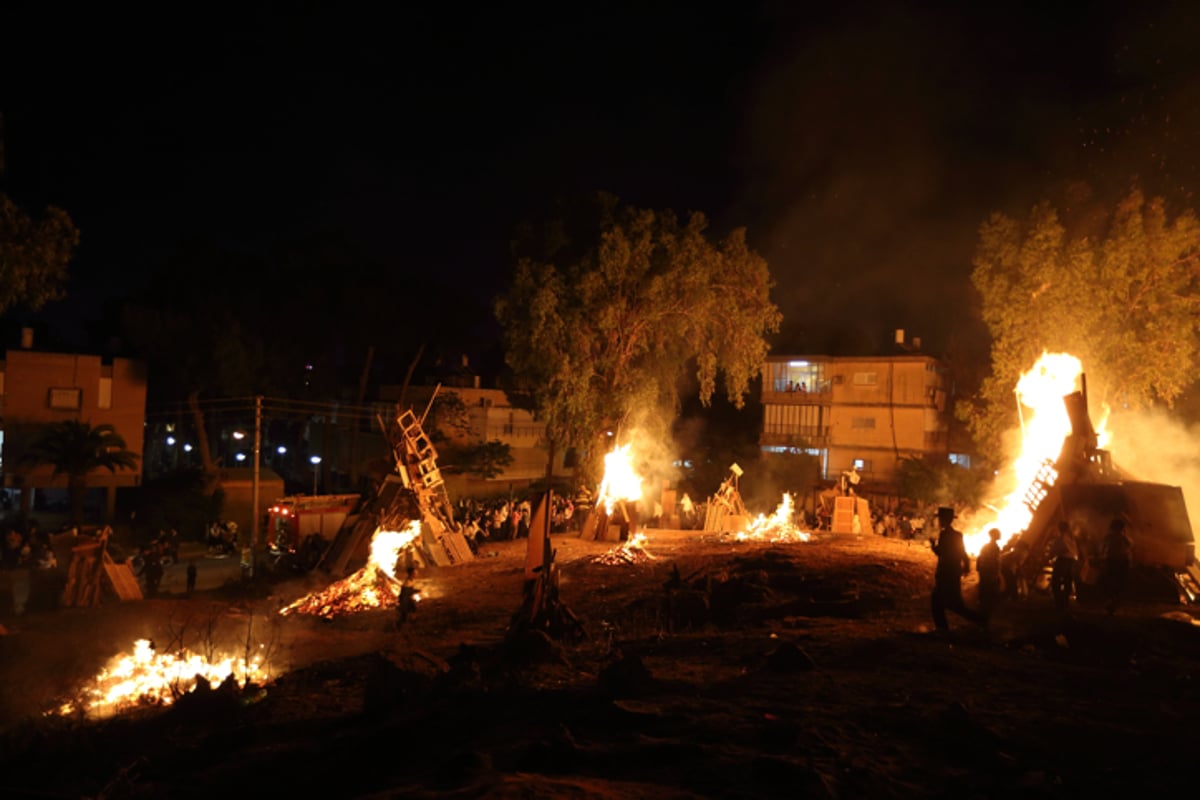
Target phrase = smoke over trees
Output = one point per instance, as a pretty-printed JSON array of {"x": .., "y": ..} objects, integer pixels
[{"x": 1120, "y": 290}]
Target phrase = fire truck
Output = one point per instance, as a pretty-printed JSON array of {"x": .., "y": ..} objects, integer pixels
[{"x": 300, "y": 527}]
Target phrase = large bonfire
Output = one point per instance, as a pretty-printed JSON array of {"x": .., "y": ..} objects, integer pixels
[
  {"x": 620, "y": 481},
  {"x": 1045, "y": 426},
  {"x": 372, "y": 587},
  {"x": 147, "y": 677},
  {"x": 622, "y": 485}
]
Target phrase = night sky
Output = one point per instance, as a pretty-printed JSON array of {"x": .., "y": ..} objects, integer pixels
[{"x": 861, "y": 144}]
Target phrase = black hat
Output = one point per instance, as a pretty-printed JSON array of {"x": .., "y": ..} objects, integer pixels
[{"x": 945, "y": 514}]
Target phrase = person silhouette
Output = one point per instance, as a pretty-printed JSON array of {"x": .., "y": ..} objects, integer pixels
[
  {"x": 988, "y": 567},
  {"x": 953, "y": 564}
]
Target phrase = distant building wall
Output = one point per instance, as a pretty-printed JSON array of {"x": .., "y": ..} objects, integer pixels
[
  {"x": 492, "y": 418},
  {"x": 38, "y": 388},
  {"x": 848, "y": 410}
]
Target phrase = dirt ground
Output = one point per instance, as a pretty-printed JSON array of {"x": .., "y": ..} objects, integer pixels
[{"x": 775, "y": 670}]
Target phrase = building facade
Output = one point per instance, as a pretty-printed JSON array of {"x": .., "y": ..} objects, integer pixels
[
  {"x": 40, "y": 388},
  {"x": 856, "y": 413},
  {"x": 491, "y": 416}
]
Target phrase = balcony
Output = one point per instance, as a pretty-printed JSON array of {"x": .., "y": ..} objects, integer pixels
[
  {"x": 530, "y": 431},
  {"x": 824, "y": 398},
  {"x": 776, "y": 436}
]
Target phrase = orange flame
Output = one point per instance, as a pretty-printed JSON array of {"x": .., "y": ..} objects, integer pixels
[
  {"x": 632, "y": 551},
  {"x": 775, "y": 528},
  {"x": 620, "y": 481},
  {"x": 1046, "y": 425},
  {"x": 373, "y": 586},
  {"x": 147, "y": 677}
]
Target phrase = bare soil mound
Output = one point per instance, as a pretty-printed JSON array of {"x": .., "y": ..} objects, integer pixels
[{"x": 717, "y": 669}]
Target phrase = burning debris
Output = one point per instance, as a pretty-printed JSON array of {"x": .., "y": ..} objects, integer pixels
[
  {"x": 776, "y": 528},
  {"x": 629, "y": 552},
  {"x": 150, "y": 678},
  {"x": 1066, "y": 482},
  {"x": 374, "y": 586},
  {"x": 1045, "y": 426},
  {"x": 617, "y": 499}
]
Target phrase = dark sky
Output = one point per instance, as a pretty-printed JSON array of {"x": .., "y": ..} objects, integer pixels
[{"x": 861, "y": 144}]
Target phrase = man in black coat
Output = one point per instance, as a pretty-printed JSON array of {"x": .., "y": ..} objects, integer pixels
[{"x": 952, "y": 566}]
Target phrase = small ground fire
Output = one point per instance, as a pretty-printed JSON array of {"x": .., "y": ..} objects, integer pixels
[
  {"x": 150, "y": 678},
  {"x": 632, "y": 551},
  {"x": 778, "y": 527}
]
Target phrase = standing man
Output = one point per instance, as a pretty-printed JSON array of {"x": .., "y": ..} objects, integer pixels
[
  {"x": 953, "y": 565},
  {"x": 1066, "y": 560},
  {"x": 1118, "y": 560},
  {"x": 191, "y": 576},
  {"x": 988, "y": 567}
]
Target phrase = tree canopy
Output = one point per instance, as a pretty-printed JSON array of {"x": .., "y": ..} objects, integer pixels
[
  {"x": 74, "y": 448},
  {"x": 620, "y": 305},
  {"x": 1116, "y": 289},
  {"x": 34, "y": 254}
]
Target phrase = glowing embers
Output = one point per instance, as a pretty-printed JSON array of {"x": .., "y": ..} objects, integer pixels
[
  {"x": 620, "y": 481},
  {"x": 632, "y": 551},
  {"x": 778, "y": 527},
  {"x": 150, "y": 678},
  {"x": 372, "y": 587}
]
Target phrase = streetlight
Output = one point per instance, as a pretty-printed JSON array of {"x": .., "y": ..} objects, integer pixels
[{"x": 316, "y": 462}]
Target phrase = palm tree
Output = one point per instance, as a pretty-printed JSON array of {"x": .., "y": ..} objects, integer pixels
[{"x": 76, "y": 448}]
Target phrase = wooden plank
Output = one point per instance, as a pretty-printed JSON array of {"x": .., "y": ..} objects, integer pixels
[{"x": 122, "y": 581}]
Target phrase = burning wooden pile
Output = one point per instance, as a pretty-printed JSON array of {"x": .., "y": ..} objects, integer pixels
[
  {"x": 147, "y": 677},
  {"x": 1064, "y": 476},
  {"x": 374, "y": 586},
  {"x": 778, "y": 527},
  {"x": 629, "y": 552},
  {"x": 616, "y": 500}
]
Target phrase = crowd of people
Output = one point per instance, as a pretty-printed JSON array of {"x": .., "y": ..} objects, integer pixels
[
  {"x": 26, "y": 546},
  {"x": 999, "y": 570},
  {"x": 505, "y": 519}
]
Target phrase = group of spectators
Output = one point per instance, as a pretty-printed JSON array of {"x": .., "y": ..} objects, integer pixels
[
  {"x": 504, "y": 519},
  {"x": 1071, "y": 554},
  {"x": 999, "y": 568},
  {"x": 26, "y": 546}
]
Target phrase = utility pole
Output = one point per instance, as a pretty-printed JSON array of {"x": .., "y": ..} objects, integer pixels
[{"x": 254, "y": 515}]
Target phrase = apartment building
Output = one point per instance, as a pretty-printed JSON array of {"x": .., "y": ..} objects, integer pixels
[
  {"x": 855, "y": 412},
  {"x": 38, "y": 388},
  {"x": 492, "y": 417}
]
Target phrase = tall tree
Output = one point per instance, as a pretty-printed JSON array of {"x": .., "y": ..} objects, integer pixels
[
  {"x": 34, "y": 255},
  {"x": 1118, "y": 291},
  {"x": 618, "y": 306},
  {"x": 76, "y": 448}
]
